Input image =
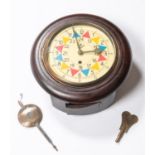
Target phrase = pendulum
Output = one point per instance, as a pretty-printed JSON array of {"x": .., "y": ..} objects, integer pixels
[{"x": 30, "y": 115}]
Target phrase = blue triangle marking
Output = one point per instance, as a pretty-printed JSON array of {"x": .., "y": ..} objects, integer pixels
[
  {"x": 102, "y": 47},
  {"x": 76, "y": 35},
  {"x": 59, "y": 57},
  {"x": 85, "y": 71}
]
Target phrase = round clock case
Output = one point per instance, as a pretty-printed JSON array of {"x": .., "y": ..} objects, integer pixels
[{"x": 86, "y": 96}]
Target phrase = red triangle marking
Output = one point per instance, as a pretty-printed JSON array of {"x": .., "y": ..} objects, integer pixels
[
  {"x": 59, "y": 48},
  {"x": 101, "y": 58},
  {"x": 74, "y": 71},
  {"x": 86, "y": 35}
]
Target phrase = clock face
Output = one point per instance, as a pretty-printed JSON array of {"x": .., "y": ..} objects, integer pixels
[{"x": 80, "y": 54}]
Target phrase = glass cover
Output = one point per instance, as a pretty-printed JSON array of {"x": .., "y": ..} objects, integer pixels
[{"x": 80, "y": 54}]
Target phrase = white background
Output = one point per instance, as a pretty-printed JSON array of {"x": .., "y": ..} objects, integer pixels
[{"x": 92, "y": 134}]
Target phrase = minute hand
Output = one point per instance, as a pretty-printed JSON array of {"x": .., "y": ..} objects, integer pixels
[{"x": 78, "y": 45}]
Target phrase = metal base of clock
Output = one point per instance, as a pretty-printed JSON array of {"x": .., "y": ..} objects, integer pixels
[{"x": 94, "y": 108}]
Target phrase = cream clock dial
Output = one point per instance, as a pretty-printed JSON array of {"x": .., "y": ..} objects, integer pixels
[{"x": 80, "y": 54}]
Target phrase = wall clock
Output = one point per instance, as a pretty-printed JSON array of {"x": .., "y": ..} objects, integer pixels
[{"x": 81, "y": 60}]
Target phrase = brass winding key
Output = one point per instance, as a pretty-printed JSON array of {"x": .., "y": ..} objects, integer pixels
[
  {"x": 30, "y": 115},
  {"x": 127, "y": 121}
]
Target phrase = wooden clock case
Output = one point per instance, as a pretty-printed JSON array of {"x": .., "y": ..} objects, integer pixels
[{"x": 87, "y": 98}]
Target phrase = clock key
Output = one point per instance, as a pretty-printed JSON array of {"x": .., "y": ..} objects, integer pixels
[
  {"x": 29, "y": 116},
  {"x": 127, "y": 121}
]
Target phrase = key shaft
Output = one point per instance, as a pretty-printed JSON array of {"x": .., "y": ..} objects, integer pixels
[{"x": 120, "y": 135}]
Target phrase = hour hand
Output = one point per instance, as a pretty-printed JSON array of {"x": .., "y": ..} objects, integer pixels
[
  {"x": 77, "y": 42},
  {"x": 96, "y": 50}
]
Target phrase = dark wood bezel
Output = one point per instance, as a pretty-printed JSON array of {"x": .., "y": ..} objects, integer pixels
[{"x": 86, "y": 93}]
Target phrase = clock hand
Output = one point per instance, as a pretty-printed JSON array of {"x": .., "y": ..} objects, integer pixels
[
  {"x": 78, "y": 45},
  {"x": 96, "y": 50},
  {"x": 88, "y": 51}
]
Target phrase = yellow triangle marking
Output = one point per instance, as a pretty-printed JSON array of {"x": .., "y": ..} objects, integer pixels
[
  {"x": 66, "y": 39},
  {"x": 96, "y": 39},
  {"x": 64, "y": 66},
  {"x": 95, "y": 66}
]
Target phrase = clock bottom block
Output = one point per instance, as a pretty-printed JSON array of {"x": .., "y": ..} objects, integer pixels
[{"x": 82, "y": 109}]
